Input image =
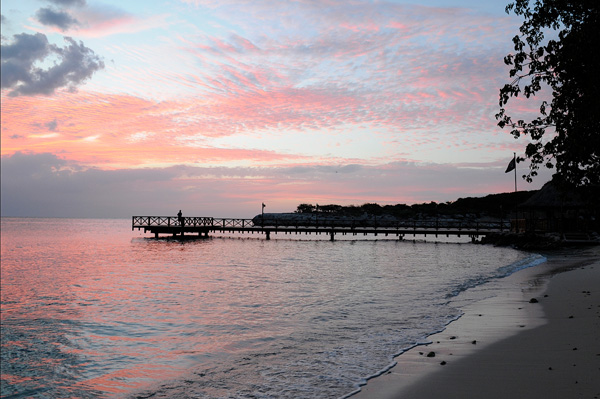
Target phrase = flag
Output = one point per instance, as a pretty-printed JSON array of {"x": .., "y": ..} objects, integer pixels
[{"x": 511, "y": 166}]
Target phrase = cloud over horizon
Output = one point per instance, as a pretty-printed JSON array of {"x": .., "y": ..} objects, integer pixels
[{"x": 43, "y": 184}]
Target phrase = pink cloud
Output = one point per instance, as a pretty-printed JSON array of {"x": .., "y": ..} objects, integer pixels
[
  {"x": 251, "y": 84},
  {"x": 86, "y": 133}
]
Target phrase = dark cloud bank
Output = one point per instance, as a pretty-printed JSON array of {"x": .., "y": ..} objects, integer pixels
[
  {"x": 44, "y": 185},
  {"x": 22, "y": 75}
]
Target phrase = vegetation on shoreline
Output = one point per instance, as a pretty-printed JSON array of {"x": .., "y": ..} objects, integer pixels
[{"x": 493, "y": 205}]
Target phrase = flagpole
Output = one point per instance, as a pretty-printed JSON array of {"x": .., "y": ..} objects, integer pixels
[
  {"x": 515, "y": 159},
  {"x": 517, "y": 207}
]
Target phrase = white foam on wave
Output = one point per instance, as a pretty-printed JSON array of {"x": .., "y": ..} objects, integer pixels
[
  {"x": 393, "y": 363},
  {"x": 530, "y": 261},
  {"x": 503, "y": 271}
]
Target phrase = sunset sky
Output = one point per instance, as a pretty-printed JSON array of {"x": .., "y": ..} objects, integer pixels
[{"x": 120, "y": 108}]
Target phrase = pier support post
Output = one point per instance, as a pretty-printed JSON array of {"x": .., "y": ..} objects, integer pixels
[
  {"x": 268, "y": 233},
  {"x": 331, "y": 236}
]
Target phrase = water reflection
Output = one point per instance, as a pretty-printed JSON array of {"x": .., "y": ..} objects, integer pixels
[{"x": 91, "y": 309}]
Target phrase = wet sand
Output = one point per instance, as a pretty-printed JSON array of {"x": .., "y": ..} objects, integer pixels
[{"x": 539, "y": 339}]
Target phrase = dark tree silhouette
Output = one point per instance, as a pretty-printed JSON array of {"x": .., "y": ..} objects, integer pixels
[
  {"x": 566, "y": 134},
  {"x": 305, "y": 208}
]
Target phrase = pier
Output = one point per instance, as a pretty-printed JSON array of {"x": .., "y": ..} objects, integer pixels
[{"x": 201, "y": 227}]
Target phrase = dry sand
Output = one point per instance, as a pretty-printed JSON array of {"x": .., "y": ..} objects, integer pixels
[{"x": 509, "y": 346}]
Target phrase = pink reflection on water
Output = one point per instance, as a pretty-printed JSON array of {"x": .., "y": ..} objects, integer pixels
[
  {"x": 81, "y": 297},
  {"x": 117, "y": 313},
  {"x": 87, "y": 311},
  {"x": 132, "y": 378},
  {"x": 15, "y": 379}
]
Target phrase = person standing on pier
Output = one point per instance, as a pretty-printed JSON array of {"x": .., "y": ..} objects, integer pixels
[{"x": 180, "y": 217}]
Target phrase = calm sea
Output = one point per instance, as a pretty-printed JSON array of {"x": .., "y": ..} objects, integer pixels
[{"x": 91, "y": 309}]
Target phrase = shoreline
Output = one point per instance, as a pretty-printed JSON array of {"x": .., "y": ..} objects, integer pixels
[{"x": 537, "y": 337}]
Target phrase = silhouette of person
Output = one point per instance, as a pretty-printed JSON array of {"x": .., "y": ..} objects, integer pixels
[{"x": 180, "y": 217}]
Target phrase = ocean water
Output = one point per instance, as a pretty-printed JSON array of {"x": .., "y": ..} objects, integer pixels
[{"x": 90, "y": 309}]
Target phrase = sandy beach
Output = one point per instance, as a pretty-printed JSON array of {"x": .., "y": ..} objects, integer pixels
[{"x": 539, "y": 339}]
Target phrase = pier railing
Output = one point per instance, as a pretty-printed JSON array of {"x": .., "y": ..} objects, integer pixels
[
  {"x": 203, "y": 225},
  {"x": 501, "y": 225},
  {"x": 174, "y": 221},
  {"x": 170, "y": 221}
]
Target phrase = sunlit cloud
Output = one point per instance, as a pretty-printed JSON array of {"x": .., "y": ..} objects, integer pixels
[
  {"x": 44, "y": 136},
  {"x": 120, "y": 130}
]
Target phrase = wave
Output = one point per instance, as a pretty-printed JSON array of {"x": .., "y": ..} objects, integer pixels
[{"x": 503, "y": 271}]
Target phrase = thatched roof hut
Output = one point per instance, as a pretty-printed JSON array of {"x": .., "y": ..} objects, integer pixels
[
  {"x": 555, "y": 208},
  {"x": 549, "y": 196}
]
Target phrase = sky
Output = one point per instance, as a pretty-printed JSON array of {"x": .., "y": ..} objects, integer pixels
[{"x": 121, "y": 108}]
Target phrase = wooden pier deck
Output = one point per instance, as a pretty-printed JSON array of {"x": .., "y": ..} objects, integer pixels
[{"x": 202, "y": 226}]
